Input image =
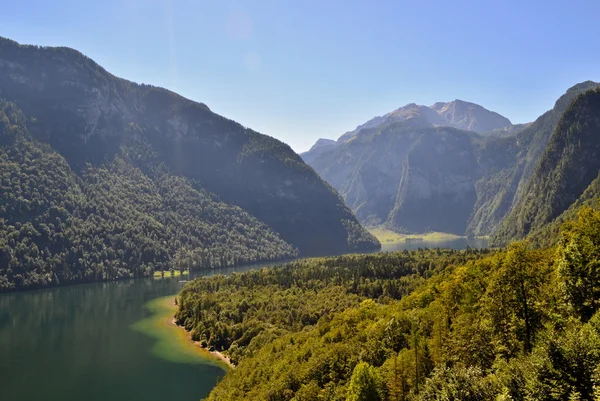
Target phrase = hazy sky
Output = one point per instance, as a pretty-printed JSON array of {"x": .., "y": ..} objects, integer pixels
[{"x": 301, "y": 70}]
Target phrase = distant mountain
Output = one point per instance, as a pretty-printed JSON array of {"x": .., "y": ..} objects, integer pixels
[
  {"x": 318, "y": 148},
  {"x": 457, "y": 114},
  {"x": 104, "y": 178},
  {"x": 412, "y": 178},
  {"x": 509, "y": 130},
  {"x": 470, "y": 117},
  {"x": 453, "y": 167}
]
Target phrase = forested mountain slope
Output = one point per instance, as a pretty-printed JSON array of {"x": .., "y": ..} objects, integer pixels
[
  {"x": 110, "y": 135},
  {"x": 110, "y": 221},
  {"x": 570, "y": 163},
  {"x": 511, "y": 324},
  {"x": 506, "y": 165},
  {"x": 548, "y": 234}
]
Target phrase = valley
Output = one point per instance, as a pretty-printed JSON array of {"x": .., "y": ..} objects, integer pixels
[
  {"x": 105, "y": 179},
  {"x": 153, "y": 249},
  {"x": 414, "y": 170}
]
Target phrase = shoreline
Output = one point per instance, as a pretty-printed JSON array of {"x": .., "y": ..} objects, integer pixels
[
  {"x": 171, "y": 343},
  {"x": 389, "y": 237},
  {"x": 216, "y": 354}
]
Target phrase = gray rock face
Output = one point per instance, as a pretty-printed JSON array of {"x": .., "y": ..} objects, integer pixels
[
  {"x": 454, "y": 167},
  {"x": 413, "y": 168},
  {"x": 458, "y": 114},
  {"x": 414, "y": 178},
  {"x": 319, "y": 147},
  {"x": 470, "y": 117}
]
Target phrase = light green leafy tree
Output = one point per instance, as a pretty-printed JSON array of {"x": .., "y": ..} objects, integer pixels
[
  {"x": 365, "y": 384},
  {"x": 578, "y": 258}
]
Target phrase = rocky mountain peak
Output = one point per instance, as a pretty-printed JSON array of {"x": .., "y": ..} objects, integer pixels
[
  {"x": 470, "y": 116},
  {"x": 457, "y": 114}
]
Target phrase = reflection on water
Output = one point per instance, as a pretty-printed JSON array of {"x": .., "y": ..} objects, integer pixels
[{"x": 75, "y": 343}]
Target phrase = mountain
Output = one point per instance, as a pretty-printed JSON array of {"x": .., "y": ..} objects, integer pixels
[
  {"x": 509, "y": 130},
  {"x": 470, "y": 117},
  {"x": 413, "y": 169},
  {"x": 506, "y": 164},
  {"x": 319, "y": 148},
  {"x": 125, "y": 179},
  {"x": 569, "y": 165},
  {"x": 423, "y": 168},
  {"x": 458, "y": 114},
  {"x": 549, "y": 233},
  {"x": 412, "y": 178}
]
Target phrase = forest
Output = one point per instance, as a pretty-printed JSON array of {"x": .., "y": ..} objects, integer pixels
[{"x": 518, "y": 323}]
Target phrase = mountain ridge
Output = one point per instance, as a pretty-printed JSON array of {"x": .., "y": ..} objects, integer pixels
[
  {"x": 92, "y": 119},
  {"x": 568, "y": 166},
  {"x": 457, "y": 114}
]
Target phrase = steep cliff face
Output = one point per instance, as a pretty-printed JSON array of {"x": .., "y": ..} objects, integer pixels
[
  {"x": 436, "y": 191},
  {"x": 414, "y": 178},
  {"x": 410, "y": 169},
  {"x": 89, "y": 116}
]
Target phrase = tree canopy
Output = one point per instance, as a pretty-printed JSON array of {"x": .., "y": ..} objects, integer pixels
[{"x": 511, "y": 324}]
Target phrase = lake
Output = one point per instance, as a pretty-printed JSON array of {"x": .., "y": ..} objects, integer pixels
[
  {"x": 98, "y": 342},
  {"x": 78, "y": 343}
]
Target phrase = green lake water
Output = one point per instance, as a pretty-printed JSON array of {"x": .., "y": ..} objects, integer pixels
[{"x": 90, "y": 342}]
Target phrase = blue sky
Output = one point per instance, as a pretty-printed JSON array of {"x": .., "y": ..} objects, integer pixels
[{"x": 301, "y": 70}]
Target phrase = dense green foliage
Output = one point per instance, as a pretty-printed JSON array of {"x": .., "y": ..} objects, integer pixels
[
  {"x": 514, "y": 324},
  {"x": 568, "y": 166},
  {"x": 231, "y": 311},
  {"x": 111, "y": 221},
  {"x": 90, "y": 117},
  {"x": 549, "y": 233}
]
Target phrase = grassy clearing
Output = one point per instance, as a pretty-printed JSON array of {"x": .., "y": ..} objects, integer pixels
[
  {"x": 169, "y": 273},
  {"x": 386, "y": 236},
  {"x": 172, "y": 342}
]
